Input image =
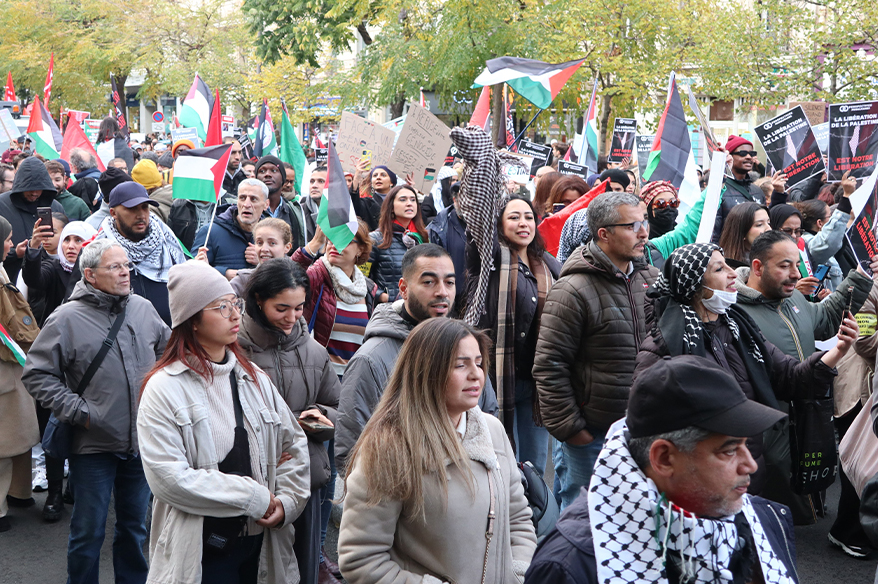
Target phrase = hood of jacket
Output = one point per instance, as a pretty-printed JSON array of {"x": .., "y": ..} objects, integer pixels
[
  {"x": 32, "y": 176},
  {"x": 387, "y": 321},
  {"x": 255, "y": 337},
  {"x": 85, "y": 292},
  {"x": 590, "y": 258},
  {"x": 746, "y": 294}
]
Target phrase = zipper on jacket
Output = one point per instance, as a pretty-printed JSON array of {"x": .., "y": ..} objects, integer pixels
[
  {"x": 785, "y": 542},
  {"x": 792, "y": 331},
  {"x": 633, "y": 306}
]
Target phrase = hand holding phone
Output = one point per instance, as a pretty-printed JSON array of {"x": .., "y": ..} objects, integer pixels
[{"x": 44, "y": 214}]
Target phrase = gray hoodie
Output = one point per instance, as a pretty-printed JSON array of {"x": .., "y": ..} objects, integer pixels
[{"x": 66, "y": 346}]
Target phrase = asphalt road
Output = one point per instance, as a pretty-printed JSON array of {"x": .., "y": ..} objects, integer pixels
[{"x": 35, "y": 552}]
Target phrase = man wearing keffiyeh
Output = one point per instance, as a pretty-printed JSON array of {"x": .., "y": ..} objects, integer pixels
[{"x": 667, "y": 502}]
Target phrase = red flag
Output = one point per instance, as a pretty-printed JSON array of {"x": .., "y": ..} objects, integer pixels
[
  {"x": 423, "y": 99},
  {"x": 550, "y": 228},
  {"x": 483, "y": 109},
  {"x": 215, "y": 126},
  {"x": 47, "y": 90},
  {"x": 9, "y": 91},
  {"x": 74, "y": 137}
]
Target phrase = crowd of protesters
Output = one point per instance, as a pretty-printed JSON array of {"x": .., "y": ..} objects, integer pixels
[{"x": 225, "y": 364}]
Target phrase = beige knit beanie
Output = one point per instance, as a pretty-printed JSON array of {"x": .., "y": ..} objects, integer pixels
[{"x": 193, "y": 285}]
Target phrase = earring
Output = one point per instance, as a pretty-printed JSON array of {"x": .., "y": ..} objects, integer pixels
[{"x": 357, "y": 259}]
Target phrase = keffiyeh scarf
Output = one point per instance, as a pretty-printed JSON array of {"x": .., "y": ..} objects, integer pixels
[
  {"x": 641, "y": 537},
  {"x": 681, "y": 279},
  {"x": 153, "y": 255},
  {"x": 574, "y": 233},
  {"x": 482, "y": 187}
]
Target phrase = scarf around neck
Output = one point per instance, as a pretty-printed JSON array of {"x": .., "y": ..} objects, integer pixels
[
  {"x": 153, "y": 255},
  {"x": 350, "y": 292},
  {"x": 410, "y": 236},
  {"x": 638, "y": 535}
]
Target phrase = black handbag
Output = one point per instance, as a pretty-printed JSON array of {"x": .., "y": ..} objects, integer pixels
[
  {"x": 542, "y": 503},
  {"x": 813, "y": 449},
  {"x": 58, "y": 436}
]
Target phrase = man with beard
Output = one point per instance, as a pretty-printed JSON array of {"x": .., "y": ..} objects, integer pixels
[
  {"x": 234, "y": 175},
  {"x": 231, "y": 246},
  {"x": 151, "y": 246},
  {"x": 426, "y": 290},
  {"x": 270, "y": 170},
  {"x": 311, "y": 203},
  {"x": 591, "y": 329}
]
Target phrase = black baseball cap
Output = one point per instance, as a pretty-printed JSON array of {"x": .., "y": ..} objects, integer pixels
[
  {"x": 129, "y": 194},
  {"x": 679, "y": 392}
]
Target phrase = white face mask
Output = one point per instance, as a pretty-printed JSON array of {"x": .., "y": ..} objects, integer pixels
[{"x": 721, "y": 300}]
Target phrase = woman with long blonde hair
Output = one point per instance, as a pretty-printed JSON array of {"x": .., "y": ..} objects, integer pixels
[{"x": 432, "y": 489}]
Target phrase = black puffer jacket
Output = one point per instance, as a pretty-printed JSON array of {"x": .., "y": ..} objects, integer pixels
[
  {"x": 386, "y": 264},
  {"x": 734, "y": 193},
  {"x": 46, "y": 281},
  {"x": 22, "y": 214},
  {"x": 300, "y": 370}
]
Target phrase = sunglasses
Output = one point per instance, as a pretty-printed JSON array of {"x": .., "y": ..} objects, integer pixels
[
  {"x": 744, "y": 153},
  {"x": 662, "y": 204}
]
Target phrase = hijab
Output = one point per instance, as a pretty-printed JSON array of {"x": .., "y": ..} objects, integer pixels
[
  {"x": 778, "y": 215},
  {"x": 80, "y": 229}
]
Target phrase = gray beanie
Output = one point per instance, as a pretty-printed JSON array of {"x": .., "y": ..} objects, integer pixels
[{"x": 193, "y": 285}]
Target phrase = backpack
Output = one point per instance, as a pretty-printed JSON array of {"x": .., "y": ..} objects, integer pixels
[{"x": 17, "y": 320}]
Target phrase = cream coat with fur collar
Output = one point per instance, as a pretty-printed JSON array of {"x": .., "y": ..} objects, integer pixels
[{"x": 381, "y": 545}]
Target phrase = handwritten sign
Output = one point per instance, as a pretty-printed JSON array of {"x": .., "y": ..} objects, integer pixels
[
  {"x": 421, "y": 148},
  {"x": 359, "y": 137}
]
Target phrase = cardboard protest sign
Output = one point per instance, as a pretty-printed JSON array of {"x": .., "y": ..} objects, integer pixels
[
  {"x": 321, "y": 156},
  {"x": 359, "y": 138},
  {"x": 791, "y": 146},
  {"x": 861, "y": 236},
  {"x": 815, "y": 111},
  {"x": 624, "y": 130},
  {"x": 821, "y": 134},
  {"x": 540, "y": 153},
  {"x": 421, "y": 148},
  {"x": 643, "y": 147},
  {"x": 579, "y": 170},
  {"x": 853, "y": 139}
]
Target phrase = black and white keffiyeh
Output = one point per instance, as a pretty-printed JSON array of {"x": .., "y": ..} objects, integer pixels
[
  {"x": 636, "y": 531},
  {"x": 482, "y": 191},
  {"x": 574, "y": 233},
  {"x": 153, "y": 255}
]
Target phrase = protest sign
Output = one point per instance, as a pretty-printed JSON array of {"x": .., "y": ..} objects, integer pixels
[
  {"x": 821, "y": 134},
  {"x": 8, "y": 130},
  {"x": 791, "y": 146},
  {"x": 861, "y": 235},
  {"x": 421, "y": 148},
  {"x": 622, "y": 146},
  {"x": 570, "y": 168},
  {"x": 453, "y": 154},
  {"x": 321, "y": 156},
  {"x": 644, "y": 146},
  {"x": 711, "y": 197},
  {"x": 815, "y": 111},
  {"x": 519, "y": 173},
  {"x": 540, "y": 153},
  {"x": 91, "y": 127},
  {"x": 186, "y": 134},
  {"x": 158, "y": 127},
  {"x": 853, "y": 139},
  {"x": 710, "y": 141},
  {"x": 361, "y": 138}
]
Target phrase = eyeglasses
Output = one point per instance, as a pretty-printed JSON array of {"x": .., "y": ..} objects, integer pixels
[
  {"x": 662, "y": 204},
  {"x": 226, "y": 306},
  {"x": 744, "y": 153},
  {"x": 793, "y": 232},
  {"x": 117, "y": 268},
  {"x": 636, "y": 226}
]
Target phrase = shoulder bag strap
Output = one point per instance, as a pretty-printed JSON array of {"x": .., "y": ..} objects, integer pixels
[
  {"x": 489, "y": 530},
  {"x": 316, "y": 308},
  {"x": 236, "y": 398},
  {"x": 105, "y": 348}
]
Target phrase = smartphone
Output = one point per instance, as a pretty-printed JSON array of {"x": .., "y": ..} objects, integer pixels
[
  {"x": 44, "y": 214},
  {"x": 821, "y": 272},
  {"x": 313, "y": 425},
  {"x": 367, "y": 154},
  {"x": 558, "y": 207}
]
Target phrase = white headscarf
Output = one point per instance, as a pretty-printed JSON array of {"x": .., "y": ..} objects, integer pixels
[{"x": 79, "y": 229}]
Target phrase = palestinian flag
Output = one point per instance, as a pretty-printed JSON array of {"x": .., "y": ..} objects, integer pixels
[
  {"x": 44, "y": 132},
  {"x": 535, "y": 81},
  {"x": 290, "y": 150},
  {"x": 74, "y": 137},
  {"x": 198, "y": 173},
  {"x": 482, "y": 114},
  {"x": 336, "y": 216},
  {"x": 16, "y": 350},
  {"x": 197, "y": 107},
  {"x": 262, "y": 133},
  {"x": 215, "y": 126},
  {"x": 588, "y": 146}
]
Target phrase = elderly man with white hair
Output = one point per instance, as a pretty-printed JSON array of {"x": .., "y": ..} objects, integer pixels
[{"x": 86, "y": 367}]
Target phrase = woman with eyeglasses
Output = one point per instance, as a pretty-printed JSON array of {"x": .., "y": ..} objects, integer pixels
[{"x": 228, "y": 466}]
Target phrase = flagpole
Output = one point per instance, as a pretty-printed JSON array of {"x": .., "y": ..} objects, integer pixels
[
  {"x": 210, "y": 225},
  {"x": 539, "y": 111}
]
